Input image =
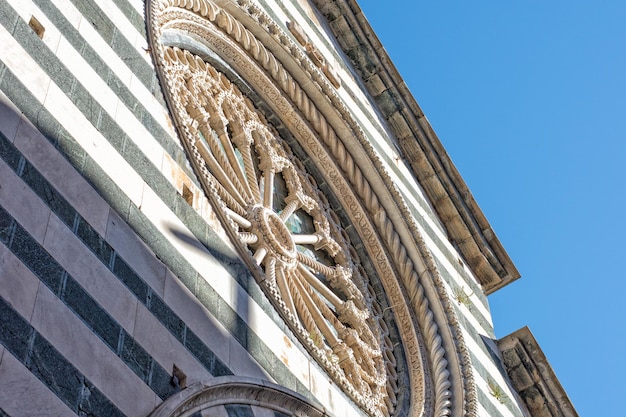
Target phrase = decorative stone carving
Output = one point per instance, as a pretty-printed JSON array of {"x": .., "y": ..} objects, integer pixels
[
  {"x": 336, "y": 340},
  {"x": 314, "y": 53},
  {"x": 292, "y": 234}
]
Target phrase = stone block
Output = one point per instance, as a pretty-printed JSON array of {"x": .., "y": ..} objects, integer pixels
[
  {"x": 20, "y": 201},
  {"x": 135, "y": 253},
  {"x": 521, "y": 378},
  {"x": 9, "y": 117},
  {"x": 76, "y": 342},
  {"x": 22, "y": 394},
  {"x": 375, "y": 85},
  {"x": 18, "y": 285},
  {"x": 166, "y": 349}
]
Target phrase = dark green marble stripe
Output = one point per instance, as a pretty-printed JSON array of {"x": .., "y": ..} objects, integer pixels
[
  {"x": 50, "y": 367},
  {"x": 78, "y": 300},
  {"x": 43, "y": 265}
]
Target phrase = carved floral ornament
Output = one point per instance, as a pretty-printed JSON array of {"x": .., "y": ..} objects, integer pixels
[{"x": 283, "y": 225}]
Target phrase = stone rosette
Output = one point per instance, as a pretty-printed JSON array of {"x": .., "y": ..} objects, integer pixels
[{"x": 313, "y": 277}]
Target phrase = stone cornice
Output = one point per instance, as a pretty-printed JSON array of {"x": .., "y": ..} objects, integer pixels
[
  {"x": 465, "y": 223},
  {"x": 533, "y": 377}
]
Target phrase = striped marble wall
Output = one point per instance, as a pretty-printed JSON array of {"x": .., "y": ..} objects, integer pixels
[{"x": 93, "y": 319}]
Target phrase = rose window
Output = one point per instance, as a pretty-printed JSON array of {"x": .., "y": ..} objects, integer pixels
[{"x": 275, "y": 209}]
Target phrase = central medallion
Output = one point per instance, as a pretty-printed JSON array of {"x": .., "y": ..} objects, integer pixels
[{"x": 273, "y": 236}]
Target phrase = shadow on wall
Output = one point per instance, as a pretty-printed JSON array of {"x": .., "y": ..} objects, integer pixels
[{"x": 215, "y": 247}]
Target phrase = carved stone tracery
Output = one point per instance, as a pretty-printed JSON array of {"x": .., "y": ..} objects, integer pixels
[
  {"x": 289, "y": 230},
  {"x": 313, "y": 279}
]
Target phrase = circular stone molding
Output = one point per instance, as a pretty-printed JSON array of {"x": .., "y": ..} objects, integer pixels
[
  {"x": 282, "y": 224},
  {"x": 286, "y": 229}
]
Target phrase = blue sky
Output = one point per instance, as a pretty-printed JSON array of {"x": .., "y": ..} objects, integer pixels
[{"x": 529, "y": 99}]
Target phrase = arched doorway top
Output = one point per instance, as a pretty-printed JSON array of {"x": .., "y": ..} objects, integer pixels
[{"x": 229, "y": 391}]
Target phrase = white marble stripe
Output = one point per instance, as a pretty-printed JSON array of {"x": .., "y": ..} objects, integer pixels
[
  {"x": 18, "y": 292},
  {"x": 10, "y": 117},
  {"x": 23, "y": 395},
  {"x": 479, "y": 353},
  {"x": 61, "y": 108},
  {"x": 482, "y": 411},
  {"x": 503, "y": 410},
  {"x": 38, "y": 82},
  {"x": 125, "y": 27},
  {"x": 97, "y": 88}
]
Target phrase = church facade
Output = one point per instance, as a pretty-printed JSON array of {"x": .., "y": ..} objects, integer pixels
[{"x": 236, "y": 208}]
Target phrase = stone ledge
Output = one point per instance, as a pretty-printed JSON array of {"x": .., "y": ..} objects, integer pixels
[{"x": 532, "y": 376}]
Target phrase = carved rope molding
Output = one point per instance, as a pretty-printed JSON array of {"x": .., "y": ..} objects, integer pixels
[
  {"x": 428, "y": 326},
  {"x": 374, "y": 404},
  {"x": 417, "y": 296}
]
